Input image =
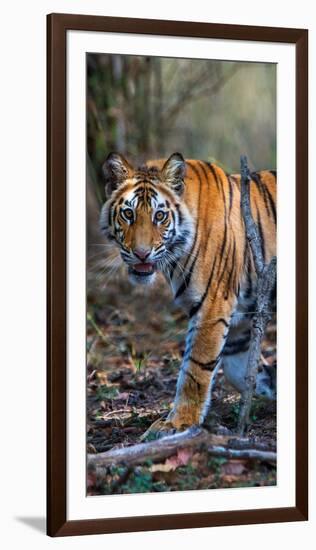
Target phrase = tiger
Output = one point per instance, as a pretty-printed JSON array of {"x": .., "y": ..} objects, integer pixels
[{"x": 183, "y": 217}]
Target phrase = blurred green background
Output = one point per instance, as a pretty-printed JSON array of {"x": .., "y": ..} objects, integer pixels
[{"x": 150, "y": 107}]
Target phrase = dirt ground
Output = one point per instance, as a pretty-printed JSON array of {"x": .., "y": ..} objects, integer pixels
[{"x": 135, "y": 341}]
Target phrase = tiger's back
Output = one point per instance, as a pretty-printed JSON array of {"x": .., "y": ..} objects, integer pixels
[{"x": 220, "y": 264}]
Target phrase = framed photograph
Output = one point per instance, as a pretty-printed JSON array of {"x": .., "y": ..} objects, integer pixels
[{"x": 177, "y": 303}]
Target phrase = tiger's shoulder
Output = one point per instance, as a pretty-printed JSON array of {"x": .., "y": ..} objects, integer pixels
[{"x": 202, "y": 177}]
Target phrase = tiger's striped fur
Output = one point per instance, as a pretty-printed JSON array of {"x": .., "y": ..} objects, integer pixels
[{"x": 199, "y": 243}]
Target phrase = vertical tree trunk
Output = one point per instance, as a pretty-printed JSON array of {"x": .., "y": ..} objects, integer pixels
[
  {"x": 266, "y": 282},
  {"x": 120, "y": 133},
  {"x": 159, "y": 127}
]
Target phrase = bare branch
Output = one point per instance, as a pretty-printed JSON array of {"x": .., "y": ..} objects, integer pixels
[
  {"x": 250, "y": 454},
  {"x": 169, "y": 445},
  {"x": 192, "y": 93},
  {"x": 252, "y": 232},
  {"x": 266, "y": 281}
]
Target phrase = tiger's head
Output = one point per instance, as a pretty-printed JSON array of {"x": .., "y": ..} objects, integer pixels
[{"x": 145, "y": 214}]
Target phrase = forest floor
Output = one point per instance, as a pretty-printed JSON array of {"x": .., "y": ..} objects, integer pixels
[{"x": 135, "y": 341}]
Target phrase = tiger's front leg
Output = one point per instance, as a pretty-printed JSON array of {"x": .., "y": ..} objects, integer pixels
[{"x": 208, "y": 329}]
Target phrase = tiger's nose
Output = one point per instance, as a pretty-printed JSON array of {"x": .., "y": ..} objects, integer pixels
[{"x": 142, "y": 253}]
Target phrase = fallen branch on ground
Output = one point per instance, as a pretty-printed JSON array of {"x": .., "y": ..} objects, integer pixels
[
  {"x": 266, "y": 281},
  {"x": 251, "y": 454},
  {"x": 163, "y": 448}
]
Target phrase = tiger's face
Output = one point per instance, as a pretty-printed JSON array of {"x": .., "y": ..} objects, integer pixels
[{"x": 145, "y": 215}]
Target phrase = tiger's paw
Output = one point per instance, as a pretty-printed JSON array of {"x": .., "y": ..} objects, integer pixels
[
  {"x": 159, "y": 428},
  {"x": 165, "y": 426}
]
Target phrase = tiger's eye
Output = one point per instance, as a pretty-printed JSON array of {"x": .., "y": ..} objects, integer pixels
[
  {"x": 159, "y": 216},
  {"x": 128, "y": 213}
]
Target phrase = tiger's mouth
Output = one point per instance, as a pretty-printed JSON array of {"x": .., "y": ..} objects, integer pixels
[{"x": 142, "y": 269}]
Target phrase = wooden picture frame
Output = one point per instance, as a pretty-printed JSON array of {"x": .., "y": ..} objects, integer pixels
[{"x": 57, "y": 27}]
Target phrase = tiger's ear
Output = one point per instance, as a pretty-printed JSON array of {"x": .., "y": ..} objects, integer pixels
[
  {"x": 116, "y": 170},
  {"x": 173, "y": 173}
]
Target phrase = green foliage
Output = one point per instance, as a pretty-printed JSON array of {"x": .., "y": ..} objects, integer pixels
[
  {"x": 106, "y": 392},
  {"x": 140, "y": 482},
  {"x": 189, "y": 478},
  {"x": 234, "y": 413},
  {"x": 214, "y": 463}
]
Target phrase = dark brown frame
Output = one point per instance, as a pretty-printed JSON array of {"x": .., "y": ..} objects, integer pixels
[{"x": 57, "y": 26}]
